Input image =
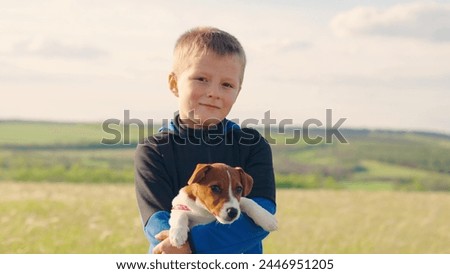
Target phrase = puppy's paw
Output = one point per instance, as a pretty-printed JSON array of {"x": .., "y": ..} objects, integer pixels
[
  {"x": 178, "y": 236},
  {"x": 269, "y": 223},
  {"x": 260, "y": 216},
  {"x": 266, "y": 220}
]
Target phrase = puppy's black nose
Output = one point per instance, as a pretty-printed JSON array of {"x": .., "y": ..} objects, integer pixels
[{"x": 232, "y": 212}]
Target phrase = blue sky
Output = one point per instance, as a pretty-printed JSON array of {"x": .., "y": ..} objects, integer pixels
[{"x": 380, "y": 64}]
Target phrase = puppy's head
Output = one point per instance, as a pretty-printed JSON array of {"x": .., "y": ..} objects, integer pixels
[{"x": 219, "y": 188}]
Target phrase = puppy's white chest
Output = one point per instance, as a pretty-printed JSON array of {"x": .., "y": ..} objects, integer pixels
[
  {"x": 183, "y": 205},
  {"x": 195, "y": 219}
]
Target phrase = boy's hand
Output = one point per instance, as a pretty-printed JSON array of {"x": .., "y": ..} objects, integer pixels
[{"x": 164, "y": 247}]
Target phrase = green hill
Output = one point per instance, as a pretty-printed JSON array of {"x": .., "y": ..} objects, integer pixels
[{"x": 372, "y": 160}]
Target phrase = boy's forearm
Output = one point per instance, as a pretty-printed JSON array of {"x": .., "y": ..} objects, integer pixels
[{"x": 158, "y": 222}]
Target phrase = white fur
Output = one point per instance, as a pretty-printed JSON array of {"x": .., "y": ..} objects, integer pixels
[
  {"x": 182, "y": 220},
  {"x": 232, "y": 202},
  {"x": 259, "y": 215}
]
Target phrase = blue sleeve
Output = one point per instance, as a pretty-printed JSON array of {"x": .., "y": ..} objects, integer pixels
[
  {"x": 242, "y": 236},
  {"x": 158, "y": 222}
]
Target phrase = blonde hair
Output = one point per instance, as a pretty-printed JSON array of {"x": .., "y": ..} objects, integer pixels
[{"x": 203, "y": 40}]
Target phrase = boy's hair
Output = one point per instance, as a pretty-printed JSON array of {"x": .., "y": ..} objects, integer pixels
[{"x": 202, "y": 40}]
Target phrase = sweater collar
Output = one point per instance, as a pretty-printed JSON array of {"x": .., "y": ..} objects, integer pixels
[{"x": 175, "y": 126}]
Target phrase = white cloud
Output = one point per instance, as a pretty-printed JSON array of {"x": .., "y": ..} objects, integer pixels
[
  {"x": 429, "y": 21},
  {"x": 55, "y": 49}
]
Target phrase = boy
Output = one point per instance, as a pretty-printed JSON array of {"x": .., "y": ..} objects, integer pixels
[{"x": 207, "y": 75}]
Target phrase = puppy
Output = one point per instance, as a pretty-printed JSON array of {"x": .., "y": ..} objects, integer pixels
[{"x": 215, "y": 192}]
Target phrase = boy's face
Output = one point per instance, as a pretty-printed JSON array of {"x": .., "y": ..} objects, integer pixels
[{"x": 207, "y": 88}]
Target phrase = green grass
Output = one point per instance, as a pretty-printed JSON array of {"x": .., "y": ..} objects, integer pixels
[
  {"x": 368, "y": 185},
  {"x": 69, "y": 218},
  {"x": 68, "y": 165},
  {"x": 103, "y": 218},
  {"x": 62, "y": 191},
  {"x": 323, "y": 221},
  {"x": 39, "y": 133},
  {"x": 373, "y": 160},
  {"x": 55, "y": 133}
]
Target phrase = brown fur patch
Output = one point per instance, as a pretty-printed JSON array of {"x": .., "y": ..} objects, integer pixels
[{"x": 210, "y": 185}]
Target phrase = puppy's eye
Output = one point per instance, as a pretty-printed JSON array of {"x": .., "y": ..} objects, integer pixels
[
  {"x": 216, "y": 189},
  {"x": 239, "y": 190}
]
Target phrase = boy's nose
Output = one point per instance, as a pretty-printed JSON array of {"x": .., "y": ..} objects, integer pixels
[{"x": 213, "y": 92}]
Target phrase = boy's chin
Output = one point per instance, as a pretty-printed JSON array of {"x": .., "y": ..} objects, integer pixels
[{"x": 199, "y": 122}]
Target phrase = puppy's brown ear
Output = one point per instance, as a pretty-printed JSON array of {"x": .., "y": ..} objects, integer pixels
[
  {"x": 199, "y": 173},
  {"x": 246, "y": 180}
]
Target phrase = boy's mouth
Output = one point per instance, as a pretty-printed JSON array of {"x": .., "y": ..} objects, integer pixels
[{"x": 208, "y": 105}]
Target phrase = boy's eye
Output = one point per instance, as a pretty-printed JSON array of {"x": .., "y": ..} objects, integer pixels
[
  {"x": 228, "y": 85},
  {"x": 201, "y": 79}
]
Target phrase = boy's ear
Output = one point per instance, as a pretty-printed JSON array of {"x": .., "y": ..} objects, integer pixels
[{"x": 173, "y": 86}]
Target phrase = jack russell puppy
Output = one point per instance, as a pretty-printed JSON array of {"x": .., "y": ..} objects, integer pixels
[{"x": 215, "y": 191}]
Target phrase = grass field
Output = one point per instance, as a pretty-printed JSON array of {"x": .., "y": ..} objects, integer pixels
[
  {"x": 63, "y": 191},
  {"x": 103, "y": 218}
]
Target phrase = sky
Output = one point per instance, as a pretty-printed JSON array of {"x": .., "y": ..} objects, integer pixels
[{"x": 379, "y": 64}]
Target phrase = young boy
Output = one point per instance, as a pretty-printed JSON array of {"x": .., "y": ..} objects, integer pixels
[{"x": 207, "y": 76}]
